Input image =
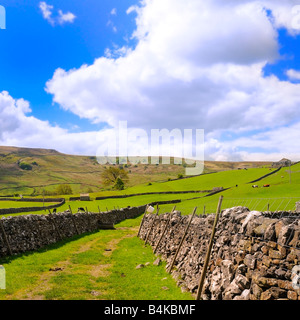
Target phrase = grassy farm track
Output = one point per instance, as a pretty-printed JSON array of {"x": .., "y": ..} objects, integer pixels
[{"x": 96, "y": 266}]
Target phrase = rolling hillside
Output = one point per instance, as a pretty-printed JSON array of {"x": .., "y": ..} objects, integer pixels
[{"x": 29, "y": 171}]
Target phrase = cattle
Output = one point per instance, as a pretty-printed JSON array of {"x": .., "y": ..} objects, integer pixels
[
  {"x": 266, "y": 185},
  {"x": 54, "y": 210},
  {"x": 255, "y": 186},
  {"x": 81, "y": 209}
]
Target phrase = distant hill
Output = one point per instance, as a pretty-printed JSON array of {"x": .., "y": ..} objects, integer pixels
[{"x": 29, "y": 171}]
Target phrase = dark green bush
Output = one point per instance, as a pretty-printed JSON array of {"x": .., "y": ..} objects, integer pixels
[{"x": 25, "y": 166}]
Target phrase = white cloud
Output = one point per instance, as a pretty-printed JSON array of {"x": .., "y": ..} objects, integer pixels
[
  {"x": 19, "y": 128},
  {"x": 198, "y": 72},
  {"x": 293, "y": 74},
  {"x": 46, "y": 11},
  {"x": 65, "y": 17},
  {"x": 61, "y": 18},
  {"x": 113, "y": 12},
  {"x": 111, "y": 24},
  {"x": 197, "y": 64}
]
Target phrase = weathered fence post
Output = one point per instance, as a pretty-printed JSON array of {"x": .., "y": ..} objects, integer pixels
[
  {"x": 164, "y": 230},
  {"x": 152, "y": 224},
  {"x": 143, "y": 220},
  {"x": 89, "y": 221},
  {"x": 74, "y": 222},
  {"x": 5, "y": 237},
  {"x": 207, "y": 257},
  {"x": 99, "y": 209},
  {"x": 182, "y": 239},
  {"x": 55, "y": 225}
]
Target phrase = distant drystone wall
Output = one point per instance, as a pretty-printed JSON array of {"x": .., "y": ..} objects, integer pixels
[
  {"x": 31, "y": 232},
  {"x": 6, "y": 211},
  {"x": 255, "y": 255}
]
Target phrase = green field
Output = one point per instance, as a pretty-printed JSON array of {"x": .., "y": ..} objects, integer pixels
[{"x": 23, "y": 204}]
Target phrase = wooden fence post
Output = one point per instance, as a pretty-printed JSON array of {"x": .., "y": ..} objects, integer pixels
[
  {"x": 74, "y": 222},
  {"x": 182, "y": 239},
  {"x": 5, "y": 237},
  {"x": 55, "y": 225},
  {"x": 143, "y": 220},
  {"x": 164, "y": 230},
  {"x": 89, "y": 221},
  {"x": 207, "y": 257},
  {"x": 152, "y": 224},
  {"x": 99, "y": 209}
]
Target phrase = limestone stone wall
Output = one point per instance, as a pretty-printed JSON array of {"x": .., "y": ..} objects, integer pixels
[
  {"x": 31, "y": 232},
  {"x": 254, "y": 255}
]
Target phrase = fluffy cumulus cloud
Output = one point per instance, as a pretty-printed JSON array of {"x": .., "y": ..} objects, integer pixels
[
  {"x": 197, "y": 64},
  {"x": 19, "y": 128}
]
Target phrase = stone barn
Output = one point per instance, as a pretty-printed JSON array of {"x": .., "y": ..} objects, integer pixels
[{"x": 85, "y": 197}]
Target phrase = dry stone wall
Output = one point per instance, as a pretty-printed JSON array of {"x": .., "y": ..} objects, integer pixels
[
  {"x": 32, "y": 209},
  {"x": 32, "y": 232},
  {"x": 253, "y": 256}
]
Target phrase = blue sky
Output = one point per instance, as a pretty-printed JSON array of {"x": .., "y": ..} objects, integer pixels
[
  {"x": 71, "y": 70},
  {"x": 32, "y": 49},
  {"x": 289, "y": 56}
]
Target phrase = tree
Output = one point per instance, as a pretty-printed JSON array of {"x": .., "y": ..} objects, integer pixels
[
  {"x": 119, "y": 185},
  {"x": 112, "y": 174},
  {"x": 25, "y": 166},
  {"x": 64, "y": 189}
]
